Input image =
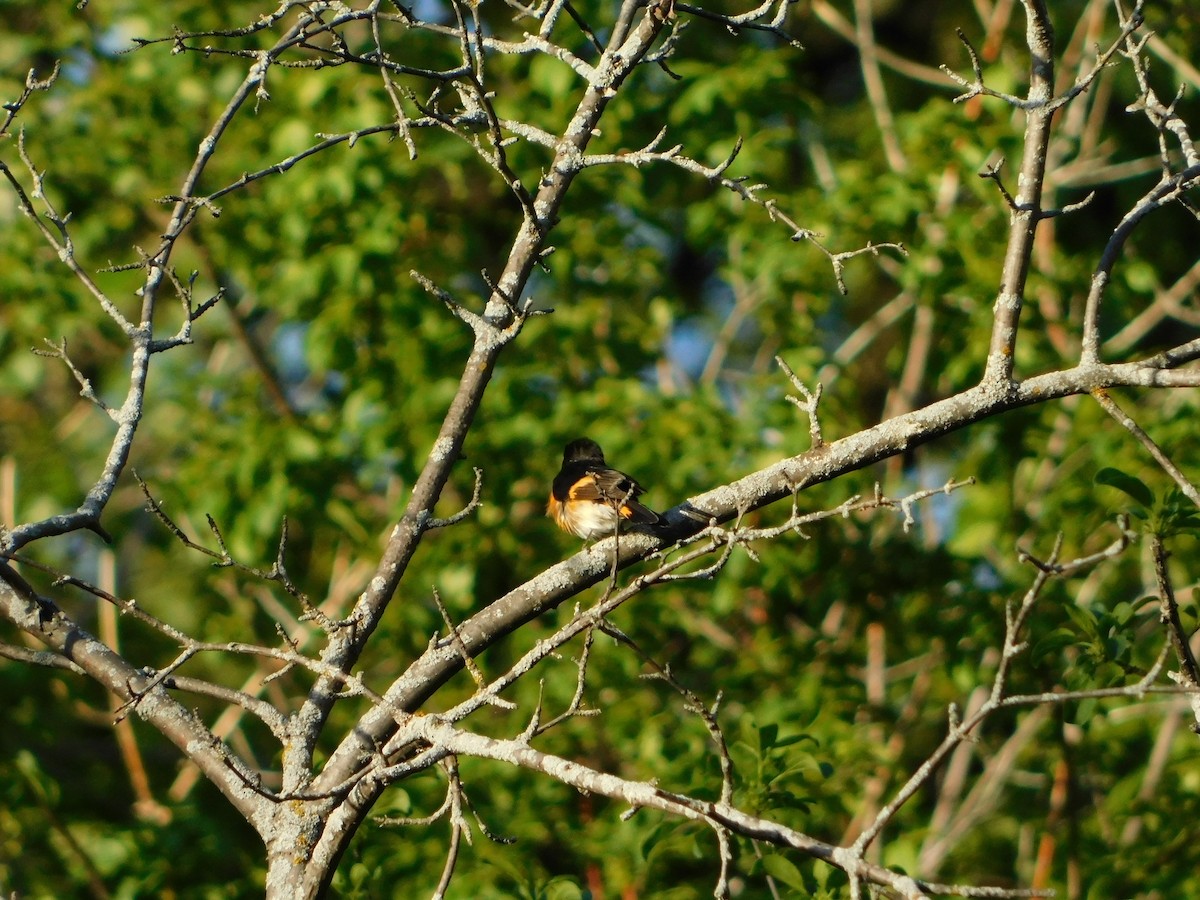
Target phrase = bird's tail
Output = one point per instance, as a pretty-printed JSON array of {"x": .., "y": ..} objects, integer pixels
[{"x": 637, "y": 514}]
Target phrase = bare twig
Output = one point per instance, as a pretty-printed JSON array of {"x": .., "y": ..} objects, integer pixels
[
  {"x": 33, "y": 85},
  {"x": 1189, "y": 673},
  {"x": 1109, "y": 405},
  {"x": 807, "y": 402},
  {"x": 473, "y": 504}
]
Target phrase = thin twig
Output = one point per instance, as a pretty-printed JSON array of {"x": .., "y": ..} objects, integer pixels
[{"x": 1126, "y": 421}]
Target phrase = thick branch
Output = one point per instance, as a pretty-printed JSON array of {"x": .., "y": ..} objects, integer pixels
[{"x": 1026, "y": 211}]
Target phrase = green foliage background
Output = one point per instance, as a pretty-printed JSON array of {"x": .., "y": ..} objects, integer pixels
[{"x": 650, "y": 263}]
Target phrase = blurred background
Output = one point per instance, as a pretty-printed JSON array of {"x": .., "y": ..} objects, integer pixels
[{"x": 315, "y": 388}]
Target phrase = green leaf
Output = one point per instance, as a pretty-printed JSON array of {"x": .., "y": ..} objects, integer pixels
[
  {"x": 784, "y": 871},
  {"x": 767, "y": 735},
  {"x": 1122, "y": 612},
  {"x": 787, "y": 800},
  {"x": 1053, "y": 642},
  {"x": 661, "y": 832},
  {"x": 796, "y": 739},
  {"x": 562, "y": 887},
  {"x": 1085, "y": 711},
  {"x": 1084, "y": 620},
  {"x": 1127, "y": 484}
]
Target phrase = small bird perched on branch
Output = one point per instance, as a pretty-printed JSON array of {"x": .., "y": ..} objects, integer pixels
[{"x": 590, "y": 500}]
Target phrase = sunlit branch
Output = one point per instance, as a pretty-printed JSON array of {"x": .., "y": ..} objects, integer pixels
[
  {"x": 641, "y": 795},
  {"x": 33, "y": 85}
]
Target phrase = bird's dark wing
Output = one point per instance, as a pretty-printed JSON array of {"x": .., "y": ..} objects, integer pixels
[
  {"x": 590, "y": 482},
  {"x": 615, "y": 488}
]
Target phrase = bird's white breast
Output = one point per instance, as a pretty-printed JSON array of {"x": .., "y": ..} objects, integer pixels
[{"x": 591, "y": 520}]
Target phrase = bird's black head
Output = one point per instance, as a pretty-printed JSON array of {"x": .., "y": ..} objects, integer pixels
[{"x": 583, "y": 449}]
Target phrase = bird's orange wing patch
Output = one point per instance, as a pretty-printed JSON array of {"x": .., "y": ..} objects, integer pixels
[{"x": 586, "y": 488}]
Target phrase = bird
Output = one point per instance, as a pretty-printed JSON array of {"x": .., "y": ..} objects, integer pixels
[{"x": 590, "y": 500}]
